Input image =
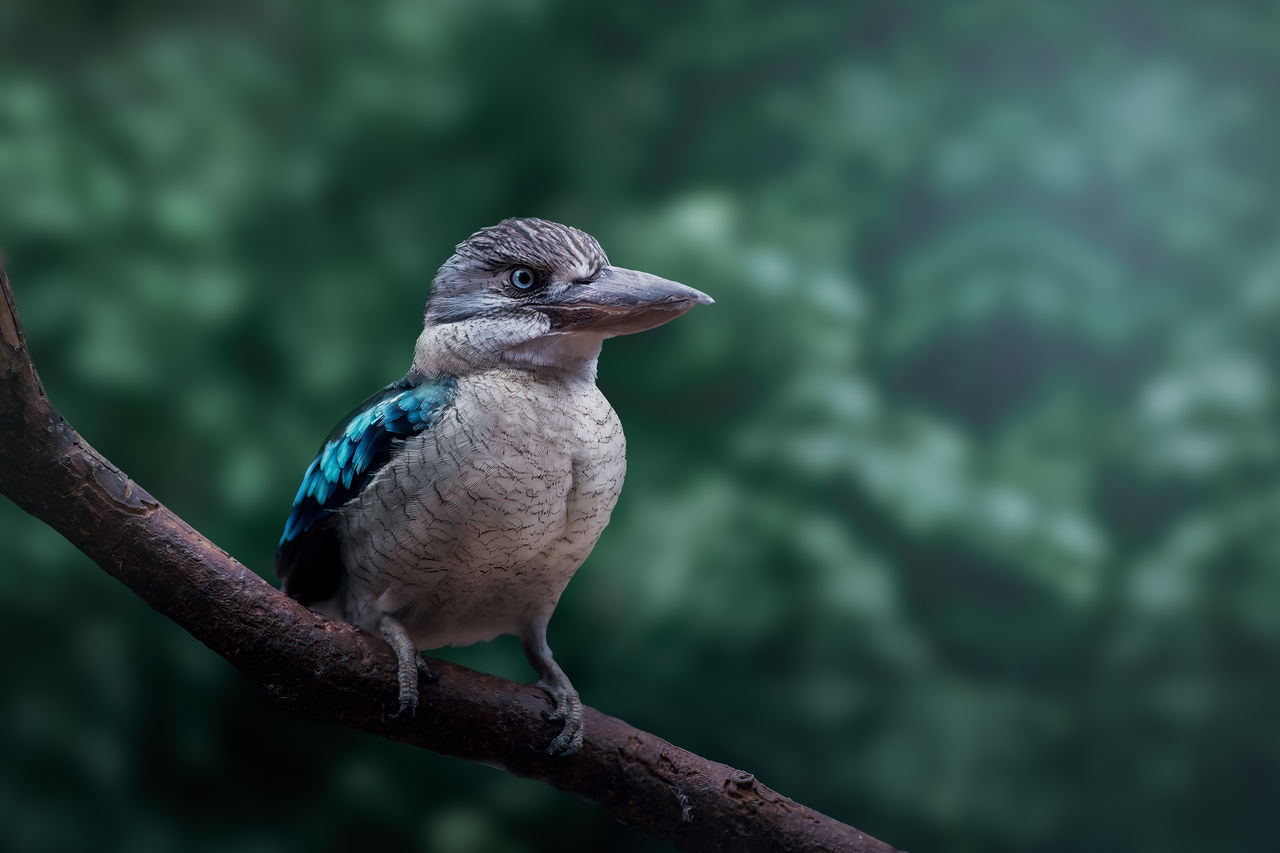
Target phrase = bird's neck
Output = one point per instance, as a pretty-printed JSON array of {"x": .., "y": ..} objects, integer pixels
[{"x": 460, "y": 349}]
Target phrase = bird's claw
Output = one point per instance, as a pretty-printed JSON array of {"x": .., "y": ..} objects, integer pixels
[
  {"x": 409, "y": 690},
  {"x": 425, "y": 671},
  {"x": 567, "y": 742},
  {"x": 407, "y": 703},
  {"x": 408, "y": 664},
  {"x": 568, "y": 710}
]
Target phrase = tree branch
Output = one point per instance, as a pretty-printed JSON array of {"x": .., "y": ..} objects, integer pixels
[{"x": 334, "y": 672}]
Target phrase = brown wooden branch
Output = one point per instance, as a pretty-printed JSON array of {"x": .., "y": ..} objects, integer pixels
[{"x": 337, "y": 673}]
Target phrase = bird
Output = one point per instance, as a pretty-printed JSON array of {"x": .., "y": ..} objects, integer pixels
[{"x": 455, "y": 504}]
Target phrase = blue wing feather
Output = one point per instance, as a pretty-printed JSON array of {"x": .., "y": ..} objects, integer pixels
[{"x": 352, "y": 454}]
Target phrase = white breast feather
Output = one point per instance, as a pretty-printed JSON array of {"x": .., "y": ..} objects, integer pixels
[{"x": 480, "y": 522}]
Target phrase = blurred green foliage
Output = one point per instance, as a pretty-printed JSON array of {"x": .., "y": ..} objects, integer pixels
[{"x": 955, "y": 518}]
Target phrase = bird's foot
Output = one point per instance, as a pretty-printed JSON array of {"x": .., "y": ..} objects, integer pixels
[
  {"x": 407, "y": 682},
  {"x": 407, "y": 662},
  {"x": 567, "y": 708}
]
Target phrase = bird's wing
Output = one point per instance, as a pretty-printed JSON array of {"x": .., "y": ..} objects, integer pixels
[{"x": 307, "y": 559}]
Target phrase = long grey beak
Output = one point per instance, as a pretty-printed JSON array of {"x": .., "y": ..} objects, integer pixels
[{"x": 622, "y": 301}]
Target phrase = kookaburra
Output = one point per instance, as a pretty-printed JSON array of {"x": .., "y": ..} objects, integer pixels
[{"x": 455, "y": 504}]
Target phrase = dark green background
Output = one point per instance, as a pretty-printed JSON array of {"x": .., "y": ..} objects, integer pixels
[{"x": 957, "y": 517}]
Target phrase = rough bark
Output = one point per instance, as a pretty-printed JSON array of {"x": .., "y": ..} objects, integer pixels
[{"x": 337, "y": 673}]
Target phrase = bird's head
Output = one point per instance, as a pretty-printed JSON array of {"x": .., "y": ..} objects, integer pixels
[{"x": 534, "y": 293}]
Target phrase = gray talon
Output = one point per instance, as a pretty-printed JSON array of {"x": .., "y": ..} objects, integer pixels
[
  {"x": 407, "y": 659},
  {"x": 565, "y": 704},
  {"x": 426, "y": 671}
]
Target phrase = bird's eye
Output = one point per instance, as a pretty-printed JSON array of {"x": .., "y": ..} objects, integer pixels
[{"x": 522, "y": 277}]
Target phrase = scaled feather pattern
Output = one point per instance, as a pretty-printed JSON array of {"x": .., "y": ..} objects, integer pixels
[{"x": 361, "y": 445}]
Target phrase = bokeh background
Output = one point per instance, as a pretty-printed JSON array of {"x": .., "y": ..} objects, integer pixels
[{"x": 957, "y": 517}]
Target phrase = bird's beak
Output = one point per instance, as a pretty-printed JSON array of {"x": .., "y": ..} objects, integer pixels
[{"x": 621, "y": 301}]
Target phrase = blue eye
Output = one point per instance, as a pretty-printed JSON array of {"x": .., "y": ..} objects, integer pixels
[{"x": 522, "y": 278}]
